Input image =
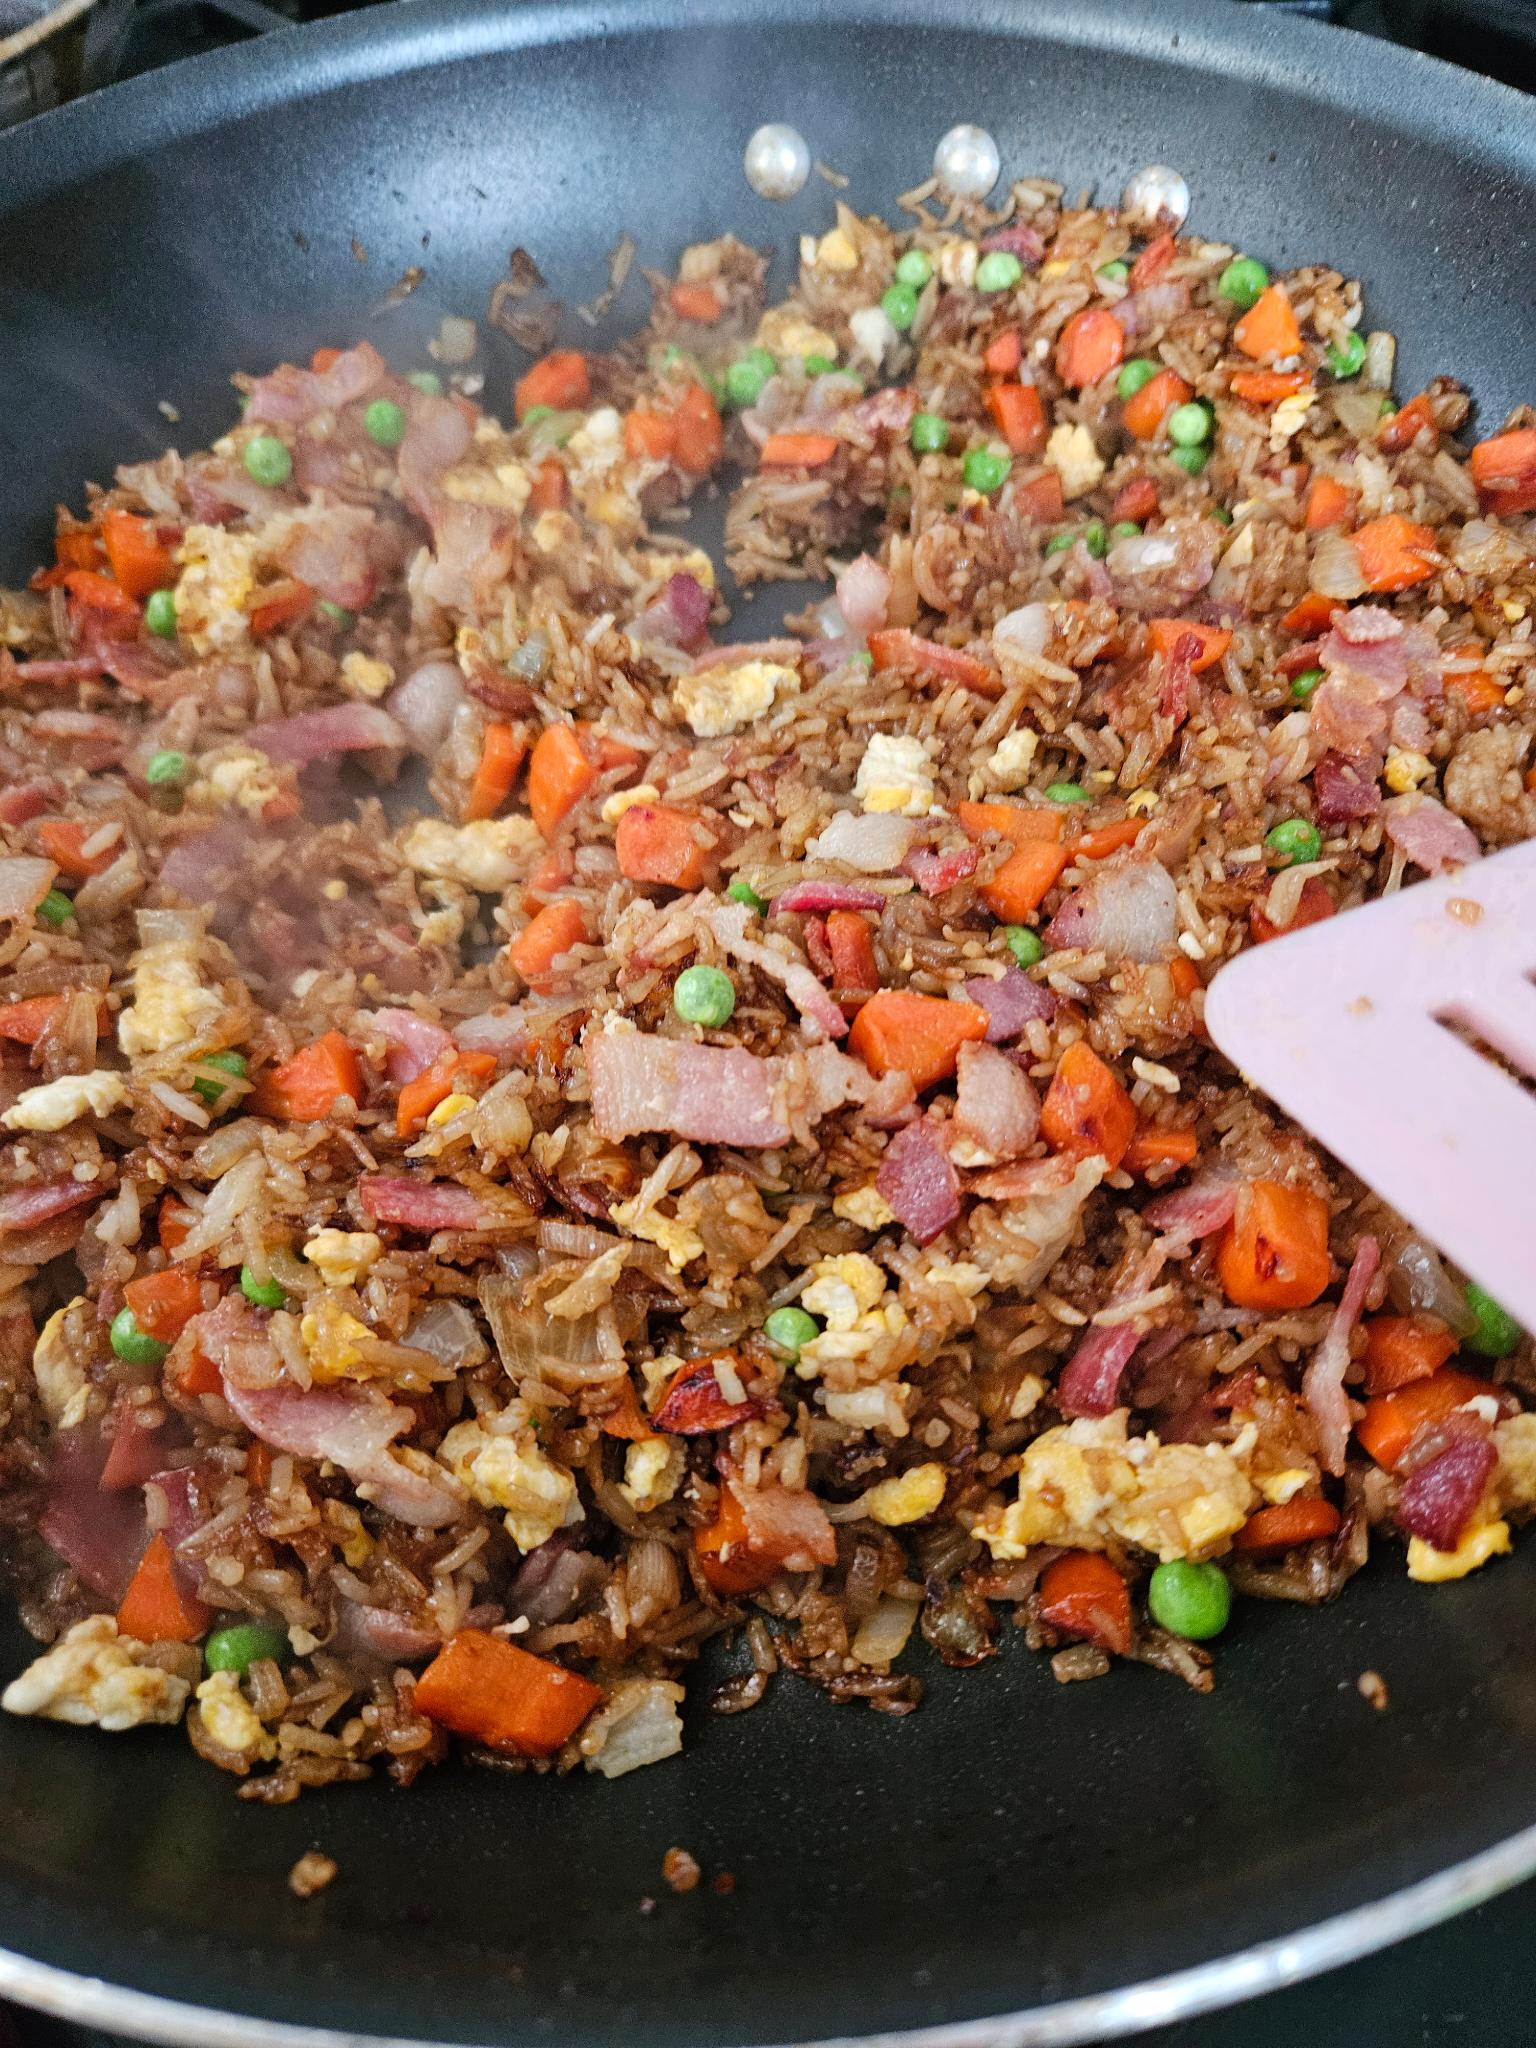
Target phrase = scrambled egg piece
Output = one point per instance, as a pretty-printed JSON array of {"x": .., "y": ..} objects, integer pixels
[
  {"x": 719, "y": 700},
  {"x": 957, "y": 263},
  {"x": 1406, "y": 769},
  {"x": 1515, "y": 1479},
  {"x": 1513, "y": 1488},
  {"x": 218, "y": 574},
  {"x": 784, "y": 332},
  {"x": 895, "y": 775},
  {"x": 506, "y": 488},
  {"x": 231, "y": 1721},
  {"x": 170, "y": 1006},
  {"x": 1279, "y": 1487},
  {"x": 598, "y": 443},
  {"x": 865, "y": 1206},
  {"x": 334, "y": 1339},
  {"x": 57, "y": 1103},
  {"x": 341, "y": 1257},
  {"x": 237, "y": 779},
  {"x": 849, "y": 1293},
  {"x": 1433, "y": 1567},
  {"x": 653, "y": 1471},
  {"x": 511, "y": 1472},
  {"x": 94, "y": 1677},
  {"x": 1009, "y": 764},
  {"x": 363, "y": 676},
  {"x": 1085, "y": 1481},
  {"x": 882, "y": 1406},
  {"x": 678, "y": 1240},
  {"x": 1289, "y": 417},
  {"x": 60, "y": 1377},
  {"x": 624, "y": 800},
  {"x": 487, "y": 855},
  {"x": 906, "y": 1498},
  {"x": 835, "y": 251},
  {"x": 450, "y": 1107},
  {"x": 1070, "y": 451}
]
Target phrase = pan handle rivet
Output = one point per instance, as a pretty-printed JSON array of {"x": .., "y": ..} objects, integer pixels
[
  {"x": 777, "y": 161},
  {"x": 1156, "y": 199},
  {"x": 966, "y": 162}
]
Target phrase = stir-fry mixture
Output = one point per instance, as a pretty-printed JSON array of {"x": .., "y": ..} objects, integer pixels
[{"x": 536, "y": 1135}]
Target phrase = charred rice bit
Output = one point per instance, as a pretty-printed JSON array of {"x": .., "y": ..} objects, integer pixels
[
  {"x": 312, "y": 1873},
  {"x": 536, "y": 1137}
]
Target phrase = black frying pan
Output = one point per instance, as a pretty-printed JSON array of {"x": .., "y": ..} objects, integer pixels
[{"x": 1016, "y": 1848}]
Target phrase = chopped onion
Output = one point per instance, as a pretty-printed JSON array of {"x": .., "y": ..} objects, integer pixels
[
  {"x": 882, "y": 1638},
  {"x": 1417, "y": 1282},
  {"x": 638, "y": 1724},
  {"x": 447, "y": 1331},
  {"x": 1380, "y": 361},
  {"x": 426, "y": 701},
  {"x": 1357, "y": 409},
  {"x": 1335, "y": 570},
  {"x": 1023, "y": 633},
  {"x": 457, "y": 339},
  {"x": 874, "y": 842}
]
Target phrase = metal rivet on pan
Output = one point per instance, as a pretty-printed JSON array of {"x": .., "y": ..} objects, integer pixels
[
  {"x": 1156, "y": 198},
  {"x": 966, "y": 162},
  {"x": 777, "y": 161}
]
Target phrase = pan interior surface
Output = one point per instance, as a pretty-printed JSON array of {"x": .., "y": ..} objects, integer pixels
[{"x": 1016, "y": 1843}]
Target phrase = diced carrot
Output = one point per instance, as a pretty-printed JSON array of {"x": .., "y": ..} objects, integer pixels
[
  {"x": 798, "y": 451},
  {"x": 1394, "y": 552},
  {"x": 164, "y": 1303},
  {"x": 64, "y": 841},
  {"x": 1024, "y": 880},
  {"x": 649, "y": 434},
  {"x": 103, "y": 604},
  {"x": 1082, "y": 1595},
  {"x": 1329, "y": 503},
  {"x": 853, "y": 950},
  {"x": 695, "y": 1403},
  {"x": 557, "y": 927},
  {"x": 697, "y": 302},
  {"x": 1476, "y": 687},
  {"x": 24, "y": 1022},
  {"x": 559, "y": 380},
  {"x": 656, "y": 843},
  {"x": 196, "y": 1373},
  {"x": 699, "y": 439},
  {"x": 1145, "y": 410},
  {"x": 1302, "y": 1520},
  {"x": 552, "y": 873},
  {"x": 1274, "y": 1252},
  {"x": 1267, "y": 387},
  {"x": 900, "y": 1031},
  {"x": 175, "y": 1223},
  {"x": 1401, "y": 1349},
  {"x": 1039, "y": 498},
  {"x": 138, "y": 560},
  {"x": 725, "y": 1555},
  {"x": 1399, "y": 430},
  {"x": 1184, "y": 975},
  {"x": 304, "y": 1089},
  {"x": 1004, "y": 353},
  {"x": 894, "y": 647},
  {"x": 424, "y": 1091},
  {"x": 323, "y": 358},
  {"x": 1013, "y": 822},
  {"x": 488, "y": 1689},
  {"x": 501, "y": 756},
  {"x": 548, "y": 492},
  {"x": 1504, "y": 470},
  {"x": 78, "y": 549},
  {"x": 1315, "y": 905},
  {"x": 625, "y": 1419},
  {"x": 1268, "y": 328},
  {"x": 559, "y": 776},
  {"x": 1391, "y": 1422},
  {"x": 154, "y": 1608},
  {"x": 1152, "y": 261},
  {"x": 1086, "y": 1109},
  {"x": 1165, "y": 635},
  {"x": 1101, "y": 840},
  {"x": 282, "y": 605},
  {"x": 1311, "y": 614},
  {"x": 1091, "y": 345},
  {"x": 1161, "y": 1145},
  {"x": 1136, "y": 500},
  {"x": 1019, "y": 415}
]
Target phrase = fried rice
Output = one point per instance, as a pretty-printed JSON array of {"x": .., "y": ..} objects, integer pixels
[{"x": 537, "y": 1136}]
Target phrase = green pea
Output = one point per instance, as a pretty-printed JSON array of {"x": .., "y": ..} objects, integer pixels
[
  {"x": 704, "y": 995},
  {"x": 1095, "y": 539},
  {"x": 744, "y": 381},
  {"x": 863, "y": 659},
  {"x": 985, "y": 470},
  {"x": 1138, "y": 371},
  {"x": 237, "y": 1647},
  {"x": 915, "y": 268},
  {"x": 264, "y": 1293},
  {"x": 55, "y": 908},
  {"x": 338, "y": 614},
  {"x": 1117, "y": 272},
  {"x": 820, "y": 366},
  {"x": 1124, "y": 529},
  {"x": 384, "y": 423},
  {"x": 160, "y": 613},
  {"x": 998, "y": 271},
  {"x": 535, "y": 413},
  {"x": 1388, "y": 407},
  {"x": 427, "y": 382},
  {"x": 1191, "y": 459},
  {"x": 743, "y": 892},
  {"x": 1495, "y": 1333},
  {"x": 898, "y": 302},
  {"x": 1058, "y": 543},
  {"x": 1220, "y": 514},
  {"x": 1027, "y": 947},
  {"x": 1294, "y": 840},
  {"x": 267, "y": 461},
  {"x": 227, "y": 1063},
  {"x": 1242, "y": 282},
  {"x": 1303, "y": 685},
  {"x": 1190, "y": 1600},
  {"x": 1065, "y": 793},
  {"x": 787, "y": 1329},
  {"x": 1189, "y": 426},
  {"x": 1347, "y": 358},
  {"x": 166, "y": 766},
  {"x": 930, "y": 434},
  {"x": 133, "y": 1345}
]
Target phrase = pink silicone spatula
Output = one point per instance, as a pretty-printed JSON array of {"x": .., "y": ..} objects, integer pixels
[{"x": 1359, "y": 1028}]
